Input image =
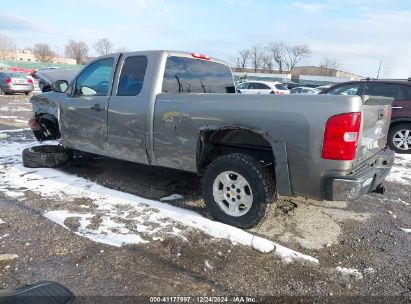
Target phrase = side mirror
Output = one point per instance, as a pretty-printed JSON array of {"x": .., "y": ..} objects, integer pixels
[{"x": 60, "y": 86}]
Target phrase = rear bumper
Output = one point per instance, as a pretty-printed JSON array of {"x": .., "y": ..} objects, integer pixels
[
  {"x": 22, "y": 88},
  {"x": 362, "y": 180}
]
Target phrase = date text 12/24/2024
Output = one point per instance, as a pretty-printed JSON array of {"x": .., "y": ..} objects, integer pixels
[{"x": 203, "y": 299}]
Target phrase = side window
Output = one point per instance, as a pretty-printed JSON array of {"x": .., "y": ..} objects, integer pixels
[
  {"x": 132, "y": 76},
  {"x": 404, "y": 93},
  {"x": 243, "y": 86},
  {"x": 347, "y": 89},
  {"x": 189, "y": 75},
  {"x": 381, "y": 89},
  {"x": 262, "y": 86},
  {"x": 95, "y": 79}
]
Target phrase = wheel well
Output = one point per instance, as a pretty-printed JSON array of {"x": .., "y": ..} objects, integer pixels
[
  {"x": 49, "y": 127},
  {"x": 214, "y": 143}
]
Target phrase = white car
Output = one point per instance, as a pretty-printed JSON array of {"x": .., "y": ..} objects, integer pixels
[
  {"x": 262, "y": 87},
  {"x": 304, "y": 90}
]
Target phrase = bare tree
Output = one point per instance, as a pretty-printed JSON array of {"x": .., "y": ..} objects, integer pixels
[
  {"x": 76, "y": 50},
  {"x": 103, "y": 46},
  {"x": 242, "y": 60},
  {"x": 329, "y": 65},
  {"x": 43, "y": 52},
  {"x": 267, "y": 62},
  {"x": 6, "y": 46},
  {"x": 295, "y": 54},
  {"x": 122, "y": 49},
  {"x": 278, "y": 52},
  {"x": 256, "y": 57}
]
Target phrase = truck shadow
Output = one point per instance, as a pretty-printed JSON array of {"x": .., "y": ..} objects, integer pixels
[{"x": 145, "y": 181}]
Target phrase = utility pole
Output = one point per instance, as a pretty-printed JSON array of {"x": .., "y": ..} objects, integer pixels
[{"x": 379, "y": 69}]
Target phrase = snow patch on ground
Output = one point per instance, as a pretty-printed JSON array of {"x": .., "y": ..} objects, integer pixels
[
  {"x": 172, "y": 197},
  {"x": 350, "y": 272},
  {"x": 406, "y": 230},
  {"x": 121, "y": 218},
  {"x": 400, "y": 173}
]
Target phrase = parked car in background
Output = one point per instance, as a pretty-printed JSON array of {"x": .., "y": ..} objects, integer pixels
[
  {"x": 262, "y": 87},
  {"x": 322, "y": 88},
  {"x": 44, "y": 69},
  {"x": 14, "y": 82},
  {"x": 304, "y": 90},
  {"x": 399, "y": 136},
  {"x": 47, "y": 76}
]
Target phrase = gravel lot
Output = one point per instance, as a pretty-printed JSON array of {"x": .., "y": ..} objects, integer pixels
[{"x": 363, "y": 247}]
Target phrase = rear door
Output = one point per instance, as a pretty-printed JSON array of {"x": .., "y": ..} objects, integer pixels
[
  {"x": 83, "y": 114},
  {"x": 401, "y": 107},
  {"x": 377, "y": 100},
  {"x": 127, "y": 111}
]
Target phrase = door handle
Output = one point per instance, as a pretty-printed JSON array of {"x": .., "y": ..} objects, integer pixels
[
  {"x": 396, "y": 107},
  {"x": 97, "y": 108}
]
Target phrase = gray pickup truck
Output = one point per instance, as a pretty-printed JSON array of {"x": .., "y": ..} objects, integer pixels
[{"x": 178, "y": 110}]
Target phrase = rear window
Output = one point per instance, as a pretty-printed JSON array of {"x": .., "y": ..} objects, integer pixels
[
  {"x": 15, "y": 75},
  {"x": 405, "y": 92},
  {"x": 281, "y": 87},
  {"x": 186, "y": 75},
  {"x": 381, "y": 89}
]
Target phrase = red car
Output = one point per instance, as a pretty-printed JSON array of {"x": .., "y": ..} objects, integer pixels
[{"x": 399, "y": 136}]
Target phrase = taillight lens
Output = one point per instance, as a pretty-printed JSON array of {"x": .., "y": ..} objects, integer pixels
[
  {"x": 8, "y": 80},
  {"x": 29, "y": 80},
  {"x": 341, "y": 136},
  {"x": 200, "y": 56}
]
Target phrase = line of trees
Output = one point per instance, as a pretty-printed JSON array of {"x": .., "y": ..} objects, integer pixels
[
  {"x": 276, "y": 54},
  {"x": 78, "y": 50}
]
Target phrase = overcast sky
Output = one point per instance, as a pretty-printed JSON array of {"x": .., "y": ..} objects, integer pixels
[{"x": 357, "y": 33}]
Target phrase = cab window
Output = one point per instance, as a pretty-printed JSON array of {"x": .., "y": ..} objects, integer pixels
[
  {"x": 132, "y": 76},
  {"x": 96, "y": 78},
  {"x": 188, "y": 75}
]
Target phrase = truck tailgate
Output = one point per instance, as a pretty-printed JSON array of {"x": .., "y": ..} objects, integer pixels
[{"x": 376, "y": 117}]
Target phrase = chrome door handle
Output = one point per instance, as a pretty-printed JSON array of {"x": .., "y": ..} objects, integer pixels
[{"x": 396, "y": 107}]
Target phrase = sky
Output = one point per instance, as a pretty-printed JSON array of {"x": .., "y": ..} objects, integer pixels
[{"x": 359, "y": 34}]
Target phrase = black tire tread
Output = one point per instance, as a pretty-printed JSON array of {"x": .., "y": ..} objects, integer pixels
[
  {"x": 258, "y": 169},
  {"x": 47, "y": 156}
]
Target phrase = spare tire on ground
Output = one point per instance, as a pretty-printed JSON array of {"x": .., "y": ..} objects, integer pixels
[{"x": 47, "y": 156}]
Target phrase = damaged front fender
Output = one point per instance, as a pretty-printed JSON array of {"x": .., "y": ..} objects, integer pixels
[{"x": 45, "y": 121}]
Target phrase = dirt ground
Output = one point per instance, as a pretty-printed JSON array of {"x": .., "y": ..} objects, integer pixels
[{"x": 364, "y": 235}]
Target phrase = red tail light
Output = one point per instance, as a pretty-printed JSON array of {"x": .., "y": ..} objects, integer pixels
[
  {"x": 341, "y": 136},
  {"x": 29, "y": 80},
  {"x": 200, "y": 56},
  {"x": 8, "y": 80}
]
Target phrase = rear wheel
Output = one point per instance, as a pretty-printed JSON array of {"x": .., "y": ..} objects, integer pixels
[
  {"x": 399, "y": 138},
  {"x": 47, "y": 156},
  {"x": 236, "y": 189}
]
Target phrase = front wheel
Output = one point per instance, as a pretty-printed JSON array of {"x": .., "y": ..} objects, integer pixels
[
  {"x": 399, "y": 138},
  {"x": 237, "y": 189}
]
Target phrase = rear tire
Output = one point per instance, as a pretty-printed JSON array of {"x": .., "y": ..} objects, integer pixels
[
  {"x": 237, "y": 189},
  {"x": 399, "y": 138},
  {"x": 47, "y": 156}
]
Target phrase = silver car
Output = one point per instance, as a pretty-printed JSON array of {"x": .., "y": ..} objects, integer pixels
[{"x": 14, "y": 82}]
